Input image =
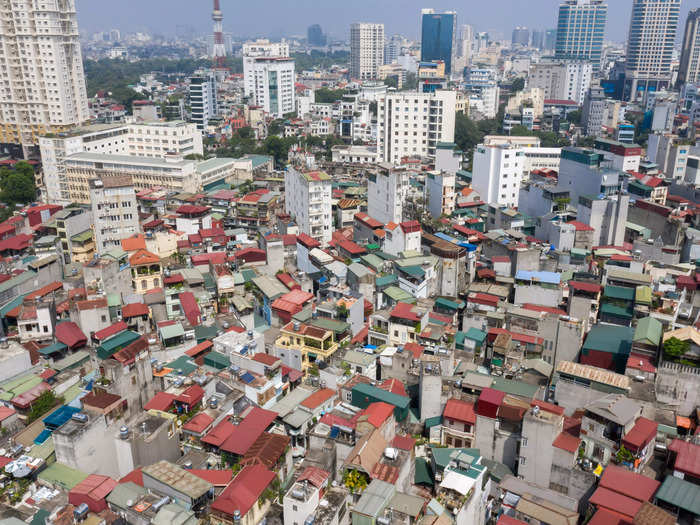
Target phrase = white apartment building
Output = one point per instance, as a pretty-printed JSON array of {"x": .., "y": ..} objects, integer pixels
[
  {"x": 366, "y": 50},
  {"x": 497, "y": 172},
  {"x": 273, "y": 85},
  {"x": 535, "y": 157},
  {"x": 41, "y": 70},
  {"x": 562, "y": 79},
  {"x": 203, "y": 99},
  {"x": 412, "y": 124},
  {"x": 172, "y": 172},
  {"x": 114, "y": 210},
  {"x": 440, "y": 193},
  {"x": 256, "y": 49},
  {"x": 387, "y": 189},
  {"x": 307, "y": 198},
  {"x": 153, "y": 139}
]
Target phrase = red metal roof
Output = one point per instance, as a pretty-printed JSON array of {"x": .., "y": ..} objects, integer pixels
[
  {"x": 247, "y": 431},
  {"x": 403, "y": 442},
  {"x": 541, "y": 308},
  {"x": 143, "y": 257},
  {"x": 134, "y": 310},
  {"x": 70, "y": 334},
  {"x": 217, "y": 435},
  {"x": 585, "y": 287},
  {"x": 368, "y": 221},
  {"x": 581, "y": 227},
  {"x": 687, "y": 457},
  {"x": 616, "y": 502},
  {"x": 16, "y": 243},
  {"x": 243, "y": 491},
  {"x": 307, "y": 241},
  {"x": 108, "y": 332},
  {"x": 404, "y": 311},
  {"x": 45, "y": 290},
  {"x": 161, "y": 401},
  {"x": 199, "y": 423},
  {"x": 198, "y": 349},
  {"x": 628, "y": 483},
  {"x": 266, "y": 359},
  {"x": 318, "y": 398},
  {"x": 507, "y": 520},
  {"x": 606, "y": 517},
  {"x": 350, "y": 247},
  {"x": 643, "y": 431},
  {"x": 205, "y": 258},
  {"x": 566, "y": 441},
  {"x": 314, "y": 475},
  {"x": 377, "y": 413},
  {"x": 394, "y": 386},
  {"x": 191, "y": 209},
  {"x": 191, "y": 308},
  {"x": 218, "y": 478},
  {"x": 25, "y": 400},
  {"x": 548, "y": 407},
  {"x": 191, "y": 396},
  {"x": 460, "y": 411}
]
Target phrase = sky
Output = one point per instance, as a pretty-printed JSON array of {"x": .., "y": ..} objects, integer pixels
[{"x": 277, "y": 18}]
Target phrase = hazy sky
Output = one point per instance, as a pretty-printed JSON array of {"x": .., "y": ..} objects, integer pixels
[{"x": 292, "y": 17}]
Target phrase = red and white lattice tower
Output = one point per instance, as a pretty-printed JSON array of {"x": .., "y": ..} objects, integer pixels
[{"x": 219, "y": 47}]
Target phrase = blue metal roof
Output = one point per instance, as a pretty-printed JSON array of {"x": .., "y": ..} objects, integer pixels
[
  {"x": 59, "y": 417},
  {"x": 247, "y": 378},
  {"x": 545, "y": 277}
]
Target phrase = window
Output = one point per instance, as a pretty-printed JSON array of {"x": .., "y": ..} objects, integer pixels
[
  {"x": 523, "y": 442},
  {"x": 523, "y": 460},
  {"x": 104, "y": 318}
]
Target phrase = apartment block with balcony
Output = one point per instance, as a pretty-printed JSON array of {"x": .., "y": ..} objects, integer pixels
[
  {"x": 308, "y": 200},
  {"x": 300, "y": 345},
  {"x": 114, "y": 211}
]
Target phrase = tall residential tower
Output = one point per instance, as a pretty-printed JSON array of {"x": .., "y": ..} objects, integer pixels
[
  {"x": 41, "y": 67},
  {"x": 580, "y": 30},
  {"x": 366, "y": 50},
  {"x": 689, "y": 69},
  {"x": 650, "y": 43}
]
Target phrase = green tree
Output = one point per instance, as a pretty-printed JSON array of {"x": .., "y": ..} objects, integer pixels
[
  {"x": 521, "y": 131},
  {"x": 517, "y": 85},
  {"x": 18, "y": 188},
  {"x": 45, "y": 402},
  {"x": 275, "y": 127},
  {"x": 325, "y": 95},
  {"x": 411, "y": 82},
  {"x": 355, "y": 480},
  {"x": 574, "y": 116},
  {"x": 392, "y": 82},
  {"x": 467, "y": 134},
  {"x": 674, "y": 348}
]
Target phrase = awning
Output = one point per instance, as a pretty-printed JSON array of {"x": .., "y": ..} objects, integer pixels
[
  {"x": 683, "y": 422},
  {"x": 52, "y": 349}
]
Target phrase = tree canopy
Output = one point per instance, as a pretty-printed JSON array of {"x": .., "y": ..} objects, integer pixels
[{"x": 17, "y": 185}]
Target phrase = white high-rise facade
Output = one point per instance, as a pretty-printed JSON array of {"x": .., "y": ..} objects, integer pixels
[
  {"x": 497, "y": 173},
  {"x": 273, "y": 81},
  {"x": 689, "y": 68},
  {"x": 412, "y": 124},
  {"x": 307, "y": 198},
  {"x": 366, "y": 50},
  {"x": 386, "y": 190},
  {"x": 562, "y": 79},
  {"x": 114, "y": 210},
  {"x": 41, "y": 70},
  {"x": 650, "y": 44},
  {"x": 256, "y": 49}
]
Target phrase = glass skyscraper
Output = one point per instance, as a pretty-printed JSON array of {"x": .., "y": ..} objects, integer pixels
[
  {"x": 580, "y": 30},
  {"x": 438, "y": 36}
]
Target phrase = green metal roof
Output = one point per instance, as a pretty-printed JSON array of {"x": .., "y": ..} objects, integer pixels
[
  {"x": 62, "y": 476},
  {"x": 619, "y": 292},
  {"x": 82, "y": 236},
  {"x": 382, "y": 395},
  {"x": 56, "y": 347},
  {"x": 609, "y": 338},
  {"x": 114, "y": 299},
  {"x": 643, "y": 295},
  {"x": 172, "y": 331},
  {"x": 217, "y": 360},
  {"x": 681, "y": 494},
  {"x": 116, "y": 343},
  {"x": 476, "y": 335},
  {"x": 71, "y": 360},
  {"x": 516, "y": 388},
  {"x": 423, "y": 475},
  {"x": 14, "y": 303},
  {"x": 433, "y": 422},
  {"x": 21, "y": 386},
  {"x": 399, "y": 295},
  {"x": 204, "y": 332},
  {"x": 185, "y": 364},
  {"x": 372, "y": 260},
  {"x": 617, "y": 311},
  {"x": 385, "y": 280},
  {"x": 443, "y": 456},
  {"x": 450, "y": 305},
  {"x": 648, "y": 331},
  {"x": 332, "y": 325},
  {"x": 414, "y": 271}
]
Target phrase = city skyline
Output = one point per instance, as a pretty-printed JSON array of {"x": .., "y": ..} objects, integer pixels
[{"x": 162, "y": 17}]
